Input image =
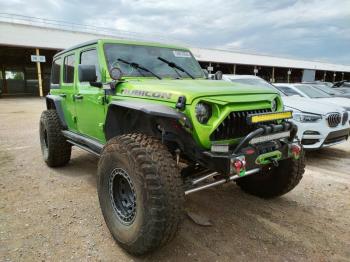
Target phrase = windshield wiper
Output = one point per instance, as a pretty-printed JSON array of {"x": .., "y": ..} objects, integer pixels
[
  {"x": 139, "y": 67},
  {"x": 173, "y": 65}
]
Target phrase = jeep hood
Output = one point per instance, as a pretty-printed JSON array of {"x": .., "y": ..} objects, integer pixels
[
  {"x": 307, "y": 105},
  {"x": 170, "y": 90}
]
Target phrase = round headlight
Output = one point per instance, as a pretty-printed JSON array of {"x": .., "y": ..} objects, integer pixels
[
  {"x": 274, "y": 105},
  {"x": 203, "y": 112}
]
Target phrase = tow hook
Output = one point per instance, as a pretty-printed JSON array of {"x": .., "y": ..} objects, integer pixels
[
  {"x": 270, "y": 157},
  {"x": 295, "y": 150},
  {"x": 238, "y": 165}
]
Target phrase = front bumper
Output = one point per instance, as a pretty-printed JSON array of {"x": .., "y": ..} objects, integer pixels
[
  {"x": 336, "y": 137},
  {"x": 314, "y": 136},
  {"x": 254, "y": 156}
]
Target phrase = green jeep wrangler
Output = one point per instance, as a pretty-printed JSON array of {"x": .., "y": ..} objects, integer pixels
[{"x": 162, "y": 130}]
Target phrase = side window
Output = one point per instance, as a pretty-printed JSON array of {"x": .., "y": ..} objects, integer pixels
[
  {"x": 68, "y": 69},
  {"x": 90, "y": 57},
  {"x": 55, "y": 71}
]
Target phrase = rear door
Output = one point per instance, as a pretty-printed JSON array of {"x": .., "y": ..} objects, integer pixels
[
  {"x": 89, "y": 99},
  {"x": 63, "y": 72}
]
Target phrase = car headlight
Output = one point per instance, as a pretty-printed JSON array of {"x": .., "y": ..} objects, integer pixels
[
  {"x": 306, "y": 118},
  {"x": 203, "y": 112},
  {"x": 274, "y": 105}
]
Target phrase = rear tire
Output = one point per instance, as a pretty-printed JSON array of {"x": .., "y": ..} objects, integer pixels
[
  {"x": 140, "y": 191},
  {"x": 54, "y": 147},
  {"x": 277, "y": 181}
]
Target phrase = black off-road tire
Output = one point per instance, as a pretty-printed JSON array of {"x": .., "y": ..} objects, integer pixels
[
  {"x": 54, "y": 147},
  {"x": 277, "y": 181},
  {"x": 154, "y": 195}
]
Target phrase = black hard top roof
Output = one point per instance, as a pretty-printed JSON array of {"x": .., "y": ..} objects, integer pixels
[{"x": 91, "y": 42}]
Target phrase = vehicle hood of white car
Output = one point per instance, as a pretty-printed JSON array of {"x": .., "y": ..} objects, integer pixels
[
  {"x": 339, "y": 101},
  {"x": 310, "y": 105}
]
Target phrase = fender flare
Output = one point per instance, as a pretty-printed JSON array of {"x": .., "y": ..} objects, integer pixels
[
  {"x": 154, "y": 111},
  {"x": 54, "y": 102},
  {"x": 148, "y": 108}
]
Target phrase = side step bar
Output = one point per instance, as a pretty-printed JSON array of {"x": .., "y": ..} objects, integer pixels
[{"x": 85, "y": 143}]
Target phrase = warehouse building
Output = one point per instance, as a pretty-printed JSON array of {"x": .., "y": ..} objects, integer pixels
[{"x": 27, "y": 46}]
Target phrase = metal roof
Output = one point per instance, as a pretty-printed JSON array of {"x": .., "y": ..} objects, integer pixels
[
  {"x": 51, "y": 34},
  {"x": 231, "y": 57}
]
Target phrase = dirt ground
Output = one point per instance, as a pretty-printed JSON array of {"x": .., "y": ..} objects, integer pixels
[{"x": 53, "y": 214}]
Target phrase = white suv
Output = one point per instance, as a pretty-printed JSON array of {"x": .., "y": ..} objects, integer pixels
[
  {"x": 320, "y": 124},
  {"x": 313, "y": 93}
]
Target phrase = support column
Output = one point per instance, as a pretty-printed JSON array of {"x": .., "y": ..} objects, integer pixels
[
  {"x": 255, "y": 70},
  {"x": 334, "y": 75},
  {"x": 324, "y": 76},
  {"x": 4, "y": 83},
  {"x": 288, "y": 75},
  {"x": 209, "y": 67},
  {"x": 273, "y": 75},
  {"x": 342, "y": 76},
  {"x": 38, "y": 67},
  {"x": 234, "y": 69}
]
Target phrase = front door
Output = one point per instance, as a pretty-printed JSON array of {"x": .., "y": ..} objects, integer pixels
[{"x": 89, "y": 100}]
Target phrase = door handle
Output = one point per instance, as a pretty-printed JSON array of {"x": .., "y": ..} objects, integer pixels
[
  {"x": 78, "y": 97},
  {"x": 63, "y": 95}
]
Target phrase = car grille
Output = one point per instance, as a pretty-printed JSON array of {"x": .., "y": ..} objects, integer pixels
[
  {"x": 345, "y": 118},
  {"x": 334, "y": 119},
  {"x": 235, "y": 125}
]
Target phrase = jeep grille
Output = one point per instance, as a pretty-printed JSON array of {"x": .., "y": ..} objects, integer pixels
[
  {"x": 334, "y": 119},
  {"x": 235, "y": 125}
]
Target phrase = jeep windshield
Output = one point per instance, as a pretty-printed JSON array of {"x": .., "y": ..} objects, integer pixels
[{"x": 147, "y": 56}]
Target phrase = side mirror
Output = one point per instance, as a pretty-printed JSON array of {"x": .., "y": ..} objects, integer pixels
[
  {"x": 87, "y": 73},
  {"x": 115, "y": 73},
  {"x": 218, "y": 75}
]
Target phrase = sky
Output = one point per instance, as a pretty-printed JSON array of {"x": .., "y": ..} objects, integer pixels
[{"x": 305, "y": 29}]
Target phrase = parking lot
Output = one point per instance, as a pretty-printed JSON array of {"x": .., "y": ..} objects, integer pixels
[{"x": 53, "y": 214}]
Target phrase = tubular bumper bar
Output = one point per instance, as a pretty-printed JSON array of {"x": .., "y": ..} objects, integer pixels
[{"x": 266, "y": 130}]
